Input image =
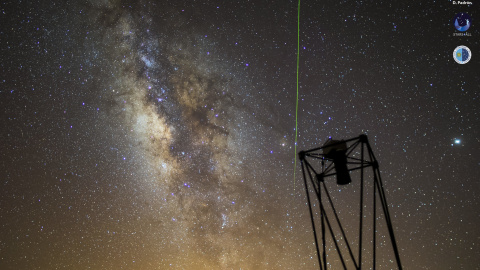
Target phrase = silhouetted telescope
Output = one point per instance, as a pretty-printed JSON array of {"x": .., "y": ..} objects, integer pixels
[
  {"x": 340, "y": 157},
  {"x": 337, "y": 151}
]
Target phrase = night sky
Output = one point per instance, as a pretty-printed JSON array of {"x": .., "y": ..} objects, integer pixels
[{"x": 161, "y": 134}]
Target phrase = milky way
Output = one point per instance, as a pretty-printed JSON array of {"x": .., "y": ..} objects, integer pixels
[
  {"x": 145, "y": 135},
  {"x": 177, "y": 106}
]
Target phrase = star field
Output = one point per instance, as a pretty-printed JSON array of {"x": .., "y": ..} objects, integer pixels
[{"x": 161, "y": 134}]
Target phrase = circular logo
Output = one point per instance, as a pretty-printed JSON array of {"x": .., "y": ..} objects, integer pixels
[
  {"x": 462, "y": 54},
  {"x": 462, "y": 21}
]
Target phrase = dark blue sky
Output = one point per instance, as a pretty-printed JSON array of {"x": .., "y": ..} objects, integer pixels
[{"x": 144, "y": 135}]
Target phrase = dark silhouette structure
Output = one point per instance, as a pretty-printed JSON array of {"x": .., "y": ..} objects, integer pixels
[{"x": 340, "y": 158}]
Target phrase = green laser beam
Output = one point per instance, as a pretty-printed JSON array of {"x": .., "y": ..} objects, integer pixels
[{"x": 296, "y": 106}]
